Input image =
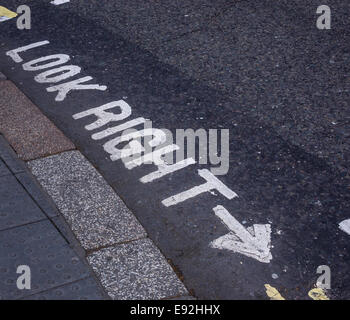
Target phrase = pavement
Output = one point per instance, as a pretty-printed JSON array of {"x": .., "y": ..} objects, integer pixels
[
  {"x": 260, "y": 69},
  {"x": 33, "y": 234},
  {"x": 60, "y": 218}
]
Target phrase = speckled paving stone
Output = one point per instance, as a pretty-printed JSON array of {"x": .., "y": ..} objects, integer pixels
[
  {"x": 16, "y": 206},
  {"x": 136, "y": 270},
  {"x": 40, "y": 246},
  {"x": 183, "y": 298},
  {"x": 29, "y": 132},
  {"x": 86, "y": 289},
  {"x": 97, "y": 216}
]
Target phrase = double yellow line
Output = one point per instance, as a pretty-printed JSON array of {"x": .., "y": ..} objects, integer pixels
[{"x": 315, "y": 294}]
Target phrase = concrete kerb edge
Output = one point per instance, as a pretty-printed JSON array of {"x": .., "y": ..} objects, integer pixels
[
  {"x": 67, "y": 233},
  {"x": 58, "y": 221}
]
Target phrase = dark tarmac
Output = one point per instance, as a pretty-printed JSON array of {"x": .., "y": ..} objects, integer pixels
[{"x": 258, "y": 68}]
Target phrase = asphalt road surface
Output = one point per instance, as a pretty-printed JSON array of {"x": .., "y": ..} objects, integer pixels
[{"x": 258, "y": 68}]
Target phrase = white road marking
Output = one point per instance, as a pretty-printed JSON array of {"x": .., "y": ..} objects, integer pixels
[
  {"x": 14, "y": 53},
  {"x": 59, "y": 2},
  {"x": 135, "y": 144},
  {"x": 253, "y": 242},
  {"x": 345, "y": 226},
  {"x": 154, "y": 157},
  {"x": 104, "y": 117},
  {"x": 212, "y": 183},
  {"x": 64, "y": 88},
  {"x": 62, "y": 73},
  {"x": 3, "y": 18},
  {"x": 35, "y": 65},
  {"x": 165, "y": 169},
  {"x": 122, "y": 127}
]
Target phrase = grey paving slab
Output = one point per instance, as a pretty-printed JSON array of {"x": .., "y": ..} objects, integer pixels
[
  {"x": 136, "y": 270},
  {"x": 10, "y": 158},
  {"x": 40, "y": 246},
  {"x": 67, "y": 233},
  {"x": 3, "y": 169},
  {"x": 97, "y": 216},
  {"x": 86, "y": 289},
  {"x": 30, "y": 133},
  {"x": 2, "y": 76},
  {"x": 35, "y": 190},
  {"x": 16, "y": 206}
]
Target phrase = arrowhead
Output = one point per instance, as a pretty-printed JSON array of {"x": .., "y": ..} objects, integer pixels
[
  {"x": 345, "y": 226},
  {"x": 254, "y": 242}
]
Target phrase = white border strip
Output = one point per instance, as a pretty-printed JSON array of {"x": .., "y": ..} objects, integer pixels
[{"x": 58, "y": 2}]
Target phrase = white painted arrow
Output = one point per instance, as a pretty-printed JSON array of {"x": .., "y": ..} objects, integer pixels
[
  {"x": 254, "y": 242},
  {"x": 345, "y": 226}
]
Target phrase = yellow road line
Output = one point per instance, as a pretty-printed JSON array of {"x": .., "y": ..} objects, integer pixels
[
  {"x": 6, "y": 14},
  {"x": 317, "y": 294},
  {"x": 273, "y": 293}
]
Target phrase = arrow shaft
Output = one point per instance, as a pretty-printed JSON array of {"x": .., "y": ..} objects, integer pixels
[{"x": 232, "y": 224}]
